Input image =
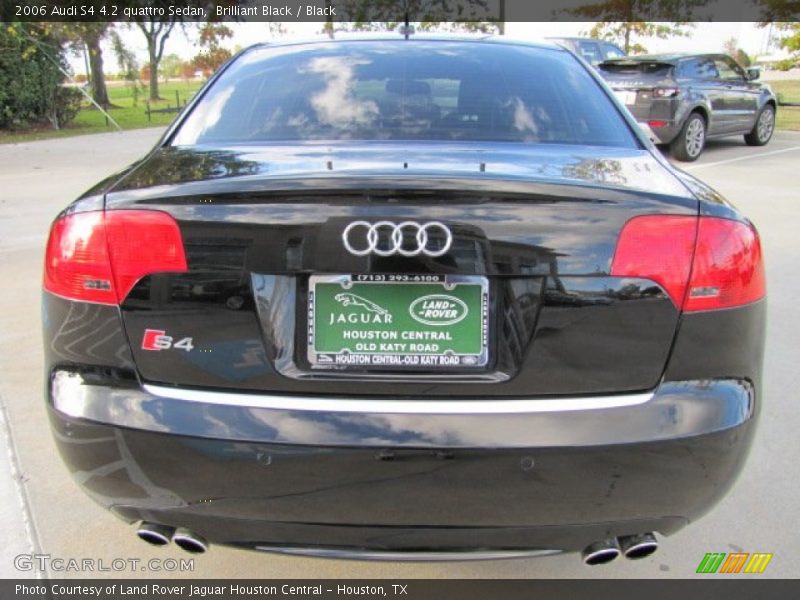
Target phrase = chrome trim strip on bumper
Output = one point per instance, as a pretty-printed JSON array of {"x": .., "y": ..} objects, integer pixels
[
  {"x": 673, "y": 410},
  {"x": 411, "y": 556},
  {"x": 391, "y": 406}
]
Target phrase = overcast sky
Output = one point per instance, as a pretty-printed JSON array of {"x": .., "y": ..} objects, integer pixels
[{"x": 705, "y": 37}]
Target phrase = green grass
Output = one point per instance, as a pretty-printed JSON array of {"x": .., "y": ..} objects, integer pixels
[
  {"x": 788, "y": 90},
  {"x": 788, "y": 116},
  {"x": 129, "y": 113}
]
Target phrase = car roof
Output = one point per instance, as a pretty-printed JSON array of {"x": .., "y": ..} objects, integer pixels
[{"x": 394, "y": 36}]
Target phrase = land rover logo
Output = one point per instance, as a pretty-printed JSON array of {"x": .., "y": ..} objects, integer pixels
[{"x": 438, "y": 309}]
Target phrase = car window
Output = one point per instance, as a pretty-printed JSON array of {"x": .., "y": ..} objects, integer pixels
[
  {"x": 590, "y": 51},
  {"x": 405, "y": 91},
  {"x": 611, "y": 51},
  {"x": 727, "y": 69},
  {"x": 698, "y": 68}
]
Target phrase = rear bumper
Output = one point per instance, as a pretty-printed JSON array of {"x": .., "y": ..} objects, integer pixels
[
  {"x": 663, "y": 134},
  {"x": 252, "y": 474}
]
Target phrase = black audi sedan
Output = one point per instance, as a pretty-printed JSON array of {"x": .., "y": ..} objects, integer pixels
[
  {"x": 682, "y": 100},
  {"x": 404, "y": 299}
]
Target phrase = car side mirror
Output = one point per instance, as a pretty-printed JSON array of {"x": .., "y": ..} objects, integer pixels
[{"x": 753, "y": 73}]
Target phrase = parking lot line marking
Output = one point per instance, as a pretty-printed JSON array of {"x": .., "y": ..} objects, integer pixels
[{"x": 737, "y": 159}]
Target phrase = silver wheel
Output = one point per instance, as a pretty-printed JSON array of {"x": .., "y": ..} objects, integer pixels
[
  {"x": 695, "y": 137},
  {"x": 765, "y": 125}
]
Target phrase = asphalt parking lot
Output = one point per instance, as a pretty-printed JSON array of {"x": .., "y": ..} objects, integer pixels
[{"x": 43, "y": 511}]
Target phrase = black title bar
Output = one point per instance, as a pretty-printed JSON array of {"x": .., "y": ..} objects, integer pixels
[{"x": 367, "y": 11}]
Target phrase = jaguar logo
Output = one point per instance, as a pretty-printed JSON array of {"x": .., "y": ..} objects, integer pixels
[
  {"x": 348, "y": 299},
  {"x": 363, "y": 311},
  {"x": 438, "y": 309}
]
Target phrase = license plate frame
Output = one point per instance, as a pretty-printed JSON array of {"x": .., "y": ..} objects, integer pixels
[{"x": 411, "y": 292}]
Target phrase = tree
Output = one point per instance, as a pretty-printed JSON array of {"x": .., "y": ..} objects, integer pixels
[
  {"x": 621, "y": 21},
  {"x": 156, "y": 33},
  {"x": 625, "y": 33},
  {"x": 730, "y": 46},
  {"x": 128, "y": 66},
  {"x": 32, "y": 71},
  {"x": 783, "y": 16},
  {"x": 171, "y": 66},
  {"x": 778, "y": 11},
  {"x": 188, "y": 71},
  {"x": 789, "y": 38},
  {"x": 743, "y": 58},
  {"x": 211, "y": 60},
  {"x": 90, "y": 34},
  {"x": 214, "y": 54}
]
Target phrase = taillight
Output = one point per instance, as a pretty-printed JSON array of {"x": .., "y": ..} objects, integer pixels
[
  {"x": 704, "y": 263},
  {"x": 659, "y": 248},
  {"x": 99, "y": 256},
  {"x": 76, "y": 263},
  {"x": 728, "y": 268},
  {"x": 666, "y": 92}
]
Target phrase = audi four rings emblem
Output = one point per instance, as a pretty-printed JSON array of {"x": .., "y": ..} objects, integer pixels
[{"x": 386, "y": 238}]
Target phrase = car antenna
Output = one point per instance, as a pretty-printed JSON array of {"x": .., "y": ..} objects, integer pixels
[{"x": 406, "y": 28}]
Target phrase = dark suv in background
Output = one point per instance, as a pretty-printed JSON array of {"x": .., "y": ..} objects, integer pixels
[{"x": 685, "y": 99}]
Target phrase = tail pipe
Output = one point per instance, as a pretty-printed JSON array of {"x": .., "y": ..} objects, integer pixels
[
  {"x": 601, "y": 553},
  {"x": 190, "y": 541},
  {"x": 638, "y": 546},
  {"x": 154, "y": 533}
]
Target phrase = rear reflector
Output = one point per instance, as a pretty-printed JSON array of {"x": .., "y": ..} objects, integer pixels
[
  {"x": 657, "y": 124},
  {"x": 99, "y": 257},
  {"x": 702, "y": 264}
]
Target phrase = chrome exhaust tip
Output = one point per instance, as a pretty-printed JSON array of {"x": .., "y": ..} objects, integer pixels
[
  {"x": 155, "y": 534},
  {"x": 638, "y": 546},
  {"x": 190, "y": 541},
  {"x": 601, "y": 553}
]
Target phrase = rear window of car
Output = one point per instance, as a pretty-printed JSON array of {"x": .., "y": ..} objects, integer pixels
[
  {"x": 635, "y": 67},
  {"x": 405, "y": 90}
]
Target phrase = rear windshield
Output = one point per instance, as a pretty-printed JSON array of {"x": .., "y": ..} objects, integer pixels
[
  {"x": 658, "y": 69},
  {"x": 405, "y": 90}
]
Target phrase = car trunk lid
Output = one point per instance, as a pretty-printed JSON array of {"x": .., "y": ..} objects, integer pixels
[{"x": 533, "y": 232}]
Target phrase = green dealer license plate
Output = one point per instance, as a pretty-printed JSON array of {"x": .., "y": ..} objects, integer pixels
[{"x": 398, "y": 321}]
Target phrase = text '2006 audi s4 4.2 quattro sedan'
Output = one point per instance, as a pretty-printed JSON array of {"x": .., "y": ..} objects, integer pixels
[{"x": 405, "y": 299}]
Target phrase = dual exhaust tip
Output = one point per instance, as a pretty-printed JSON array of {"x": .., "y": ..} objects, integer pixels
[
  {"x": 598, "y": 553},
  {"x": 630, "y": 546},
  {"x": 161, "y": 535}
]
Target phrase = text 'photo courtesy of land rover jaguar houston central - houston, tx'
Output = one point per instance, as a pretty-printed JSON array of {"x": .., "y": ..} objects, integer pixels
[{"x": 405, "y": 299}]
